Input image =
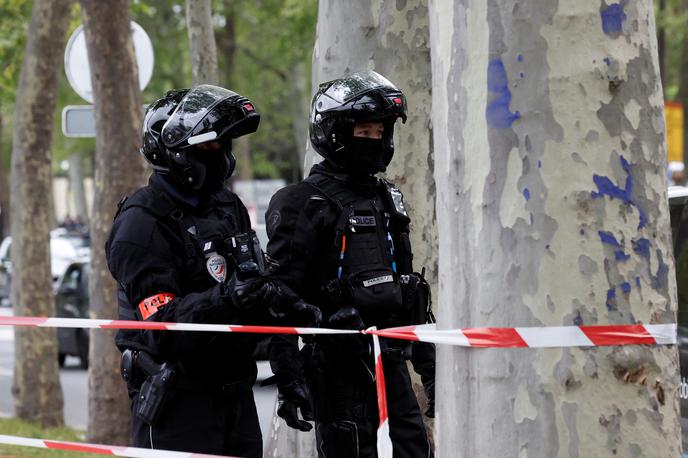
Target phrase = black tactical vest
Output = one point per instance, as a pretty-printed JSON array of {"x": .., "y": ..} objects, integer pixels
[{"x": 370, "y": 247}]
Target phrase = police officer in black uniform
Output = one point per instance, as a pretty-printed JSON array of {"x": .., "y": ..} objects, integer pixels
[
  {"x": 340, "y": 239},
  {"x": 182, "y": 250}
]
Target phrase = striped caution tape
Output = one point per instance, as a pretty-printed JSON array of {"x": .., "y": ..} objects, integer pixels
[
  {"x": 539, "y": 337},
  {"x": 384, "y": 441},
  {"x": 529, "y": 337},
  {"x": 114, "y": 450},
  {"x": 532, "y": 337}
]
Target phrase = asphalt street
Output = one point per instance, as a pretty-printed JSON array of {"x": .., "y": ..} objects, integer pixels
[{"x": 74, "y": 382}]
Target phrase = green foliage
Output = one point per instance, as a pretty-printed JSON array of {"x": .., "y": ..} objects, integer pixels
[
  {"x": 674, "y": 20},
  {"x": 13, "y": 427},
  {"x": 272, "y": 37}
]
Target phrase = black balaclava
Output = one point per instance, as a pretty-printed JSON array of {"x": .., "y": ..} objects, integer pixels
[{"x": 366, "y": 156}]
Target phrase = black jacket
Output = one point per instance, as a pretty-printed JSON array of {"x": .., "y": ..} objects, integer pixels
[
  {"x": 301, "y": 225},
  {"x": 149, "y": 254}
]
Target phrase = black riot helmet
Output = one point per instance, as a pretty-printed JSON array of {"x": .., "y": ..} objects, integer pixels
[
  {"x": 339, "y": 104},
  {"x": 187, "y": 135}
]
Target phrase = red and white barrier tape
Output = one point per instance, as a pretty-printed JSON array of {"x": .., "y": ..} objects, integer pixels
[
  {"x": 114, "y": 450},
  {"x": 384, "y": 441},
  {"x": 532, "y": 337},
  {"x": 539, "y": 337}
]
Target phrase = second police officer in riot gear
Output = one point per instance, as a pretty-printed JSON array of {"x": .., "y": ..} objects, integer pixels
[
  {"x": 182, "y": 250},
  {"x": 340, "y": 239}
]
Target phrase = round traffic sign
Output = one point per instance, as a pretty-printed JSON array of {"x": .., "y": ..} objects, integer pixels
[{"x": 76, "y": 60}]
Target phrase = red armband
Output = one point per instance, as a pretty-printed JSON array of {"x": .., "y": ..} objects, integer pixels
[{"x": 150, "y": 305}]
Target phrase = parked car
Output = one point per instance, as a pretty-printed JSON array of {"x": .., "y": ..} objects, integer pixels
[
  {"x": 65, "y": 248},
  {"x": 72, "y": 301}
]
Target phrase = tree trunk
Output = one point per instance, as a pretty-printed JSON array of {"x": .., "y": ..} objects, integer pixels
[
  {"x": 4, "y": 190},
  {"x": 299, "y": 104},
  {"x": 390, "y": 37},
  {"x": 661, "y": 42},
  {"x": 227, "y": 41},
  {"x": 36, "y": 385},
  {"x": 199, "y": 19},
  {"x": 76, "y": 185},
  {"x": 118, "y": 171},
  {"x": 552, "y": 210}
]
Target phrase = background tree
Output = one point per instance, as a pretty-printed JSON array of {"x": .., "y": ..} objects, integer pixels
[
  {"x": 119, "y": 170},
  {"x": 552, "y": 210},
  {"x": 36, "y": 385},
  {"x": 202, "y": 48}
]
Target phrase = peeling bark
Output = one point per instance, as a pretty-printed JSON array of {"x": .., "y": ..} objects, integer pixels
[
  {"x": 552, "y": 210},
  {"x": 36, "y": 385},
  {"x": 203, "y": 50},
  {"x": 119, "y": 170}
]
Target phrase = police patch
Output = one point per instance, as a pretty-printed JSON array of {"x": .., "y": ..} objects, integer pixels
[
  {"x": 217, "y": 267},
  {"x": 378, "y": 280},
  {"x": 359, "y": 220}
]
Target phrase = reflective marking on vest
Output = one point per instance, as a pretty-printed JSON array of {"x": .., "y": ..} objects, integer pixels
[
  {"x": 378, "y": 280},
  {"x": 358, "y": 220},
  {"x": 150, "y": 305}
]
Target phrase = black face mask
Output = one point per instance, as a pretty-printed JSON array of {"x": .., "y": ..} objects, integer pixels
[
  {"x": 366, "y": 156},
  {"x": 210, "y": 169}
]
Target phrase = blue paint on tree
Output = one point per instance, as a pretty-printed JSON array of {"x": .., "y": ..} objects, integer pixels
[
  {"x": 497, "y": 113},
  {"x": 621, "y": 256},
  {"x": 625, "y": 287},
  {"x": 642, "y": 247},
  {"x": 607, "y": 61},
  {"x": 608, "y": 238},
  {"x": 611, "y": 299},
  {"x": 519, "y": 58},
  {"x": 613, "y": 17},
  {"x": 526, "y": 193},
  {"x": 606, "y": 187},
  {"x": 637, "y": 282}
]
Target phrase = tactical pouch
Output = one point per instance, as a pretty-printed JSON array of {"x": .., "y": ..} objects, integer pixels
[
  {"x": 376, "y": 291},
  {"x": 417, "y": 300}
]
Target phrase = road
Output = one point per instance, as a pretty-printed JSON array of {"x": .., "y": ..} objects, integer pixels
[{"x": 74, "y": 382}]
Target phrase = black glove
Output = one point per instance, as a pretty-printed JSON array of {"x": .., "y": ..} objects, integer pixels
[
  {"x": 429, "y": 387},
  {"x": 290, "y": 309},
  {"x": 293, "y": 396},
  {"x": 305, "y": 314},
  {"x": 249, "y": 291},
  {"x": 346, "y": 317}
]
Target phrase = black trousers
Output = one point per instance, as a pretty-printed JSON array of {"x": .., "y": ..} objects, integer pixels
[
  {"x": 347, "y": 416},
  {"x": 204, "y": 421}
]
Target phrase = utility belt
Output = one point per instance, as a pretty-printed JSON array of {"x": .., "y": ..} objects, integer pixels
[{"x": 154, "y": 384}]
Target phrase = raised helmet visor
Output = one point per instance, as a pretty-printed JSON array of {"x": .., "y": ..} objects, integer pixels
[{"x": 208, "y": 113}]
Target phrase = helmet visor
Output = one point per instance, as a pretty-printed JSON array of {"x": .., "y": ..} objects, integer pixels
[
  {"x": 204, "y": 114},
  {"x": 356, "y": 84},
  {"x": 365, "y": 95}
]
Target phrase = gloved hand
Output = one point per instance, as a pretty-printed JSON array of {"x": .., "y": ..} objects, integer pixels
[
  {"x": 305, "y": 314},
  {"x": 429, "y": 388},
  {"x": 248, "y": 290},
  {"x": 346, "y": 317},
  {"x": 292, "y": 310},
  {"x": 293, "y": 396}
]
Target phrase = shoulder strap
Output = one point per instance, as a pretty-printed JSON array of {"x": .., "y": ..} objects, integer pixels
[{"x": 334, "y": 191}]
